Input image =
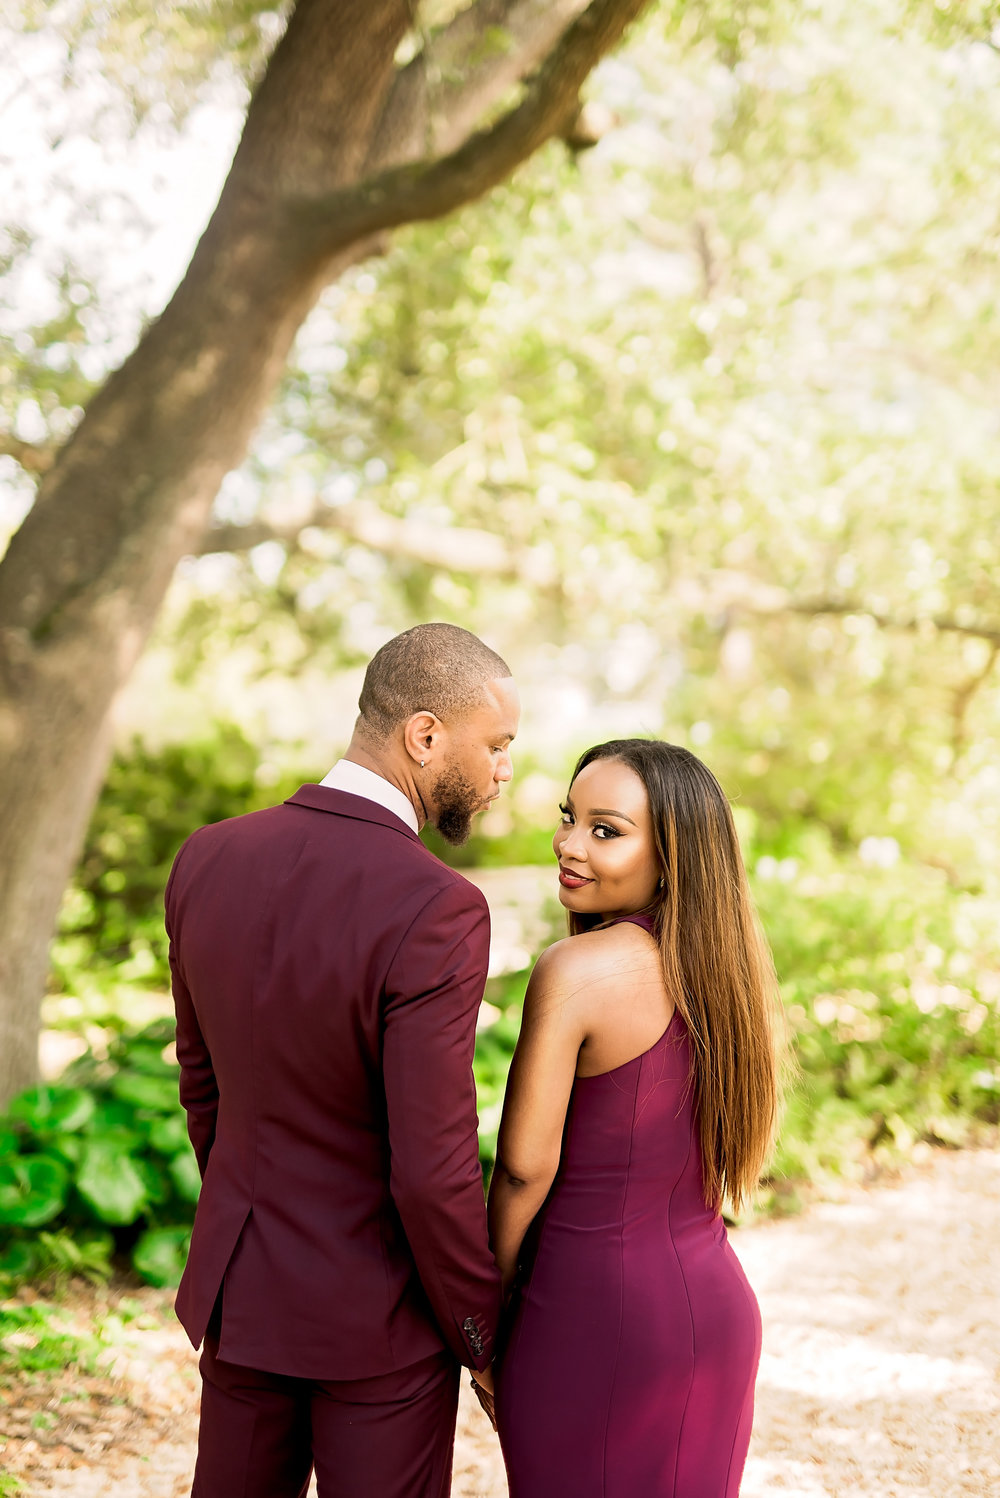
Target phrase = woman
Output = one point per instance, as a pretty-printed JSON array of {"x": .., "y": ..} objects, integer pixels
[{"x": 643, "y": 1091}]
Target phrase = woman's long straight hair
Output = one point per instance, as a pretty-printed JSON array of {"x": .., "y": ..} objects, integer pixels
[{"x": 716, "y": 961}]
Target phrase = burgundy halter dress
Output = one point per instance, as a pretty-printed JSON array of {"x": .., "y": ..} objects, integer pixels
[{"x": 633, "y": 1341}]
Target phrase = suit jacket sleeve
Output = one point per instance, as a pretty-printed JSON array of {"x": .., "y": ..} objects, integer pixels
[
  {"x": 199, "y": 1090},
  {"x": 433, "y": 992}
]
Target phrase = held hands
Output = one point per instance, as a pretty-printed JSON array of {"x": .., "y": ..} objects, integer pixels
[{"x": 482, "y": 1384}]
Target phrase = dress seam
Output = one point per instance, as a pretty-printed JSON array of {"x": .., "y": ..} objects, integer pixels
[
  {"x": 621, "y": 1285},
  {"x": 752, "y": 1307},
  {"x": 687, "y": 1297}
]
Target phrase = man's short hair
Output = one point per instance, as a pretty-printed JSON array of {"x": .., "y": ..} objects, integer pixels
[{"x": 433, "y": 668}]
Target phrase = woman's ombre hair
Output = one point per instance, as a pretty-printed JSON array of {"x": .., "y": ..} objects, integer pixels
[{"x": 716, "y": 961}]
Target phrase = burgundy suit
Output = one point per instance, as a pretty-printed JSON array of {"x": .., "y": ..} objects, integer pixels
[{"x": 327, "y": 974}]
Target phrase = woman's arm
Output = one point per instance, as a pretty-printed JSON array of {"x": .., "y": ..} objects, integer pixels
[{"x": 553, "y": 1028}]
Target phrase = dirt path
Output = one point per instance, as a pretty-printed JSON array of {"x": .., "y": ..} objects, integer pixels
[{"x": 880, "y": 1376}]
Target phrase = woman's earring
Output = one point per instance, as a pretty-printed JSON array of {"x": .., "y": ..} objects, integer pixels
[
  {"x": 422, "y": 766},
  {"x": 659, "y": 883}
]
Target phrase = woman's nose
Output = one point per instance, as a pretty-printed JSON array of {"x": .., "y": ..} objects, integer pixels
[{"x": 572, "y": 845}]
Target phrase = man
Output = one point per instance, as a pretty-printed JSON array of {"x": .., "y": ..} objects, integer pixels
[{"x": 327, "y": 974}]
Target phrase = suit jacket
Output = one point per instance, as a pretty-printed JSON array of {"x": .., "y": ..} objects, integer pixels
[{"x": 327, "y": 974}]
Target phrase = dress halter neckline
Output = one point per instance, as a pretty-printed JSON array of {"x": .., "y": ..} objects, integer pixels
[{"x": 637, "y": 918}]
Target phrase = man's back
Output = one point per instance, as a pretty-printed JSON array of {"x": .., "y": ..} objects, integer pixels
[{"x": 327, "y": 972}]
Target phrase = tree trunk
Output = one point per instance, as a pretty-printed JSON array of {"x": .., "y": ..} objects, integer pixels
[{"x": 132, "y": 491}]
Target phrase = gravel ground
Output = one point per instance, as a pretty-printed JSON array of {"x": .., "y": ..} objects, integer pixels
[{"x": 880, "y": 1376}]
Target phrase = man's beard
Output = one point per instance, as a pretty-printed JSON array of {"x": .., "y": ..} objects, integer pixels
[{"x": 457, "y": 802}]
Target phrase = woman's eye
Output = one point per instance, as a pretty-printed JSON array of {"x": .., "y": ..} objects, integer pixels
[
  {"x": 605, "y": 831},
  {"x": 567, "y": 815}
]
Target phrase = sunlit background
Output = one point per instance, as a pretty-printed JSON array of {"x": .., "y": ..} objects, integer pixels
[{"x": 698, "y": 427}]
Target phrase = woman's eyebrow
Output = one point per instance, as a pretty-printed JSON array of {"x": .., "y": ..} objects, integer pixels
[{"x": 605, "y": 811}]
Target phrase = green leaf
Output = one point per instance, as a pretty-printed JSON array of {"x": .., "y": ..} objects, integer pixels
[
  {"x": 158, "y": 1093},
  {"x": 169, "y": 1135},
  {"x": 112, "y": 1114},
  {"x": 148, "y": 1059},
  {"x": 85, "y": 1253},
  {"x": 67, "y": 1148},
  {"x": 186, "y": 1176},
  {"x": 53, "y": 1110},
  {"x": 160, "y": 1254},
  {"x": 155, "y": 1180},
  {"x": 158, "y": 1034},
  {"x": 17, "y": 1262},
  {"x": 110, "y": 1183},
  {"x": 32, "y": 1190}
]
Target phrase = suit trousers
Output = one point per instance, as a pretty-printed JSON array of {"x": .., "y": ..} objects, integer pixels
[{"x": 262, "y": 1434}]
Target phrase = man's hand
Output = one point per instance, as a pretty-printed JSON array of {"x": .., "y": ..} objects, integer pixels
[{"x": 482, "y": 1384}]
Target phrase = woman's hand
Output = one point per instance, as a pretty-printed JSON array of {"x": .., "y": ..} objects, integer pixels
[{"x": 482, "y": 1383}]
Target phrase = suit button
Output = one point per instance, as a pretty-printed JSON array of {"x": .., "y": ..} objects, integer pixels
[{"x": 474, "y": 1335}]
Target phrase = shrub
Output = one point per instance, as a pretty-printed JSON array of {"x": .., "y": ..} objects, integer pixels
[
  {"x": 890, "y": 980},
  {"x": 103, "y": 1161}
]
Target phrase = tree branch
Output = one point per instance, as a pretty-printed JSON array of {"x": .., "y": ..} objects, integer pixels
[
  {"x": 448, "y": 548},
  {"x": 466, "y": 68},
  {"x": 464, "y": 71},
  {"x": 430, "y": 190},
  {"x": 962, "y": 699},
  {"x": 483, "y": 553},
  {"x": 725, "y": 591},
  {"x": 908, "y": 624}
]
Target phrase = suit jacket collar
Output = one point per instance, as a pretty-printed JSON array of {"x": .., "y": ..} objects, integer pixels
[{"x": 343, "y": 804}]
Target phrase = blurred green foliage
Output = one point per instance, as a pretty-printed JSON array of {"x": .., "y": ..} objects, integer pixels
[
  {"x": 720, "y": 394},
  {"x": 494, "y": 1049},
  {"x": 102, "y": 1160},
  {"x": 720, "y": 391},
  {"x": 891, "y": 983},
  {"x": 43, "y": 1336},
  {"x": 38, "y": 1337}
]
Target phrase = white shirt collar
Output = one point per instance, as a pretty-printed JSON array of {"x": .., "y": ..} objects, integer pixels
[{"x": 357, "y": 781}]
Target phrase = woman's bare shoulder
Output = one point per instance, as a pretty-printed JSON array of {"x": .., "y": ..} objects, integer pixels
[
  {"x": 596, "y": 956},
  {"x": 586, "y": 986}
]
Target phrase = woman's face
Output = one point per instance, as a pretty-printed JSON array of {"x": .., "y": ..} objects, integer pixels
[{"x": 608, "y": 863}]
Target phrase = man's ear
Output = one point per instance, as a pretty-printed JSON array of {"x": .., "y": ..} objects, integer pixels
[{"x": 422, "y": 738}]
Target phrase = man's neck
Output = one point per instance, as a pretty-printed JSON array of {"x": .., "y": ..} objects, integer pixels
[{"x": 360, "y": 754}]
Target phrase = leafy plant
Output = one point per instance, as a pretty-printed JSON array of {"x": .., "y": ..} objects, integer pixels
[
  {"x": 104, "y": 1157},
  {"x": 890, "y": 980}
]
